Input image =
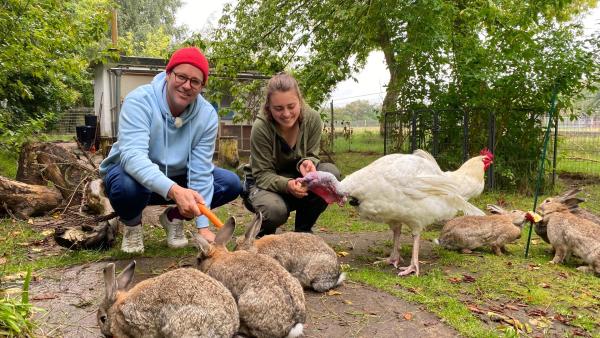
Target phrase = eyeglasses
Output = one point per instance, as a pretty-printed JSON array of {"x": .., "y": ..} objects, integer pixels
[{"x": 181, "y": 79}]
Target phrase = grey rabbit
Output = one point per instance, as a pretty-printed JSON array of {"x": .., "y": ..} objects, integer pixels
[
  {"x": 571, "y": 201},
  {"x": 180, "y": 303},
  {"x": 470, "y": 232},
  {"x": 306, "y": 256},
  {"x": 270, "y": 300},
  {"x": 568, "y": 233}
]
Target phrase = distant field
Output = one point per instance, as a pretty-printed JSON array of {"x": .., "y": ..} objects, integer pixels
[{"x": 578, "y": 152}]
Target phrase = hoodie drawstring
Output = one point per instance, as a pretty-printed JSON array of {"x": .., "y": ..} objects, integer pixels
[{"x": 166, "y": 146}]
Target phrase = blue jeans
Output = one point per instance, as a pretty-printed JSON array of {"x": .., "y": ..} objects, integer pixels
[{"x": 129, "y": 198}]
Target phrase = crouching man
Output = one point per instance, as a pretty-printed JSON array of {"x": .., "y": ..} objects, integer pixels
[{"x": 164, "y": 151}]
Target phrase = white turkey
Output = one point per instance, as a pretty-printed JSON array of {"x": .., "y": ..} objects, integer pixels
[{"x": 406, "y": 189}]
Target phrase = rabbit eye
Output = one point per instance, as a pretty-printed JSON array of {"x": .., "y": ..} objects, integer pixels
[{"x": 103, "y": 319}]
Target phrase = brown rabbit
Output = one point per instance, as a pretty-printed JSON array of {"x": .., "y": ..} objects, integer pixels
[
  {"x": 270, "y": 301},
  {"x": 572, "y": 202},
  {"x": 470, "y": 232},
  {"x": 569, "y": 233},
  {"x": 178, "y": 303},
  {"x": 306, "y": 256}
]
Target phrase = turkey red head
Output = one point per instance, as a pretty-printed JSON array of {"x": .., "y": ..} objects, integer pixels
[
  {"x": 324, "y": 185},
  {"x": 488, "y": 158}
]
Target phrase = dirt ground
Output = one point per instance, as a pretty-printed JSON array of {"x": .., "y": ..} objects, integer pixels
[{"x": 70, "y": 298}]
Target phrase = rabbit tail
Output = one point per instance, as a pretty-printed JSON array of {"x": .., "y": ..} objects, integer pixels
[
  {"x": 296, "y": 331},
  {"x": 327, "y": 282}
]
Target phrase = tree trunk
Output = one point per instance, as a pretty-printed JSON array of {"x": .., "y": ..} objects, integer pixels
[{"x": 26, "y": 200}]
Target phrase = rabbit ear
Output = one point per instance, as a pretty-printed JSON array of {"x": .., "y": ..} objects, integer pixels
[
  {"x": 226, "y": 232},
  {"x": 254, "y": 228},
  {"x": 125, "y": 277},
  {"x": 494, "y": 209},
  {"x": 202, "y": 244},
  {"x": 110, "y": 283},
  {"x": 572, "y": 202},
  {"x": 570, "y": 193}
]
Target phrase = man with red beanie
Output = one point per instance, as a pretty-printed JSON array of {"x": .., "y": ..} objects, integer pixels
[{"x": 164, "y": 151}]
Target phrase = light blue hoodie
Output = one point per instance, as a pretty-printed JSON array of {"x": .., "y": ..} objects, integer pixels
[{"x": 151, "y": 148}]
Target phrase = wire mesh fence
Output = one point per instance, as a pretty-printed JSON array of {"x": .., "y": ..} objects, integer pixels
[
  {"x": 449, "y": 135},
  {"x": 67, "y": 123},
  {"x": 576, "y": 145}
]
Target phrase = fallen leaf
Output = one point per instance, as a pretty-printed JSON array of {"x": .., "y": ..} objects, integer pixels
[
  {"x": 537, "y": 313},
  {"x": 37, "y": 249},
  {"x": 563, "y": 319},
  {"x": 407, "y": 316},
  {"x": 544, "y": 285},
  {"x": 563, "y": 275},
  {"x": 496, "y": 317},
  {"x": 347, "y": 302},
  {"x": 333, "y": 293},
  {"x": 533, "y": 267},
  {"x": 342, "y": 253},
  {"x": 475, "y": 309},
  {"x": 45, "y": 296},
  {"x": 511, "y": 307},
  {"x": 48, "y": 232},
  {"x": 455, "y": 280},
  {"x": 580, "y": 333},
  {"x": 535, "y": 241},
  {"x": 468, "y": 279},
  {"x": 3, "y": 260},
  {"x": 414, "y": 290},
  {"x": 30, "y": 221}
]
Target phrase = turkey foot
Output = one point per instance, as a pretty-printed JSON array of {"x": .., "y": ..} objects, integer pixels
[
  {"x": 389, "y": 261},
  {"x": 407, "y": 270},
  {"x": 414, "y": 261}
]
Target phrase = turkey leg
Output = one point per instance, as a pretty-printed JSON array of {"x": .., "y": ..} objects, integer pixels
[
  {"x": 414, "y": 261},
  {"x": 394, "y": 258}
]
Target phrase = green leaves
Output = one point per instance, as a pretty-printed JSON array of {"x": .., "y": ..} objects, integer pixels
[
  {"x": 44, "y": 57},
  {"x": 14, "y": 314}
]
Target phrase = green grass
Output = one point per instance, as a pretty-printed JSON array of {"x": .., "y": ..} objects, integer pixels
[
  {"x": 15, "y": 313},
  {"x": 8, "y": 163},
  {"x": 367, "y": 141}
]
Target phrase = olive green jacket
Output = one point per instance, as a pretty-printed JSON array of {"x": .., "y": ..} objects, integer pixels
[{"x": 272, "y": 162}]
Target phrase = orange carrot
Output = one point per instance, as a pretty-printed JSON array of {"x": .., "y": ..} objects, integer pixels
[{"x": 204, "y": 210}]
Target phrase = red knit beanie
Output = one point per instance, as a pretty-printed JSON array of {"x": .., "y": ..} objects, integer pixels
[{"x": 191, "y": 55}]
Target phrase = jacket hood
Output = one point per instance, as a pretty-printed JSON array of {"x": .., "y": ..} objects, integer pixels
[{"x": 159, "y": 85}]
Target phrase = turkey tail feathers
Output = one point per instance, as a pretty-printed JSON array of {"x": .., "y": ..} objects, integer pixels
[{"x": 471, "y": 210}]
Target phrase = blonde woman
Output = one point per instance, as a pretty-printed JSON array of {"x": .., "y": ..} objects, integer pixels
[{"x": 284, "y": 145}]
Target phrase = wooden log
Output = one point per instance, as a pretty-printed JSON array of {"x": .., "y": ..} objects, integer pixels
[
  {"x": 228, "y": 151},
  {"x": 56, "y": 162},
  {"x": 26, "y": 200}
]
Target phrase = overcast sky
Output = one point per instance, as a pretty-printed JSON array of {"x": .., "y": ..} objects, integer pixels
[{"x": 199, "y": 15}]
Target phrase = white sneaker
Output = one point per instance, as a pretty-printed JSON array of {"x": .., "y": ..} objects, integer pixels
[
  {"x": 133, "y": 241},
  {"x": 175, "y": 236}
]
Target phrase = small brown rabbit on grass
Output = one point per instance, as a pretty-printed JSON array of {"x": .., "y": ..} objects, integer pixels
[
  {"x": 179, "y": 303},
  {"x": 470, "y": 232},
  {"x": 270, "y": 300},
  {"x": 306, "y": 256},
  {"x": 571, "y": 201},
  {"x": 570, "y": 234}
]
